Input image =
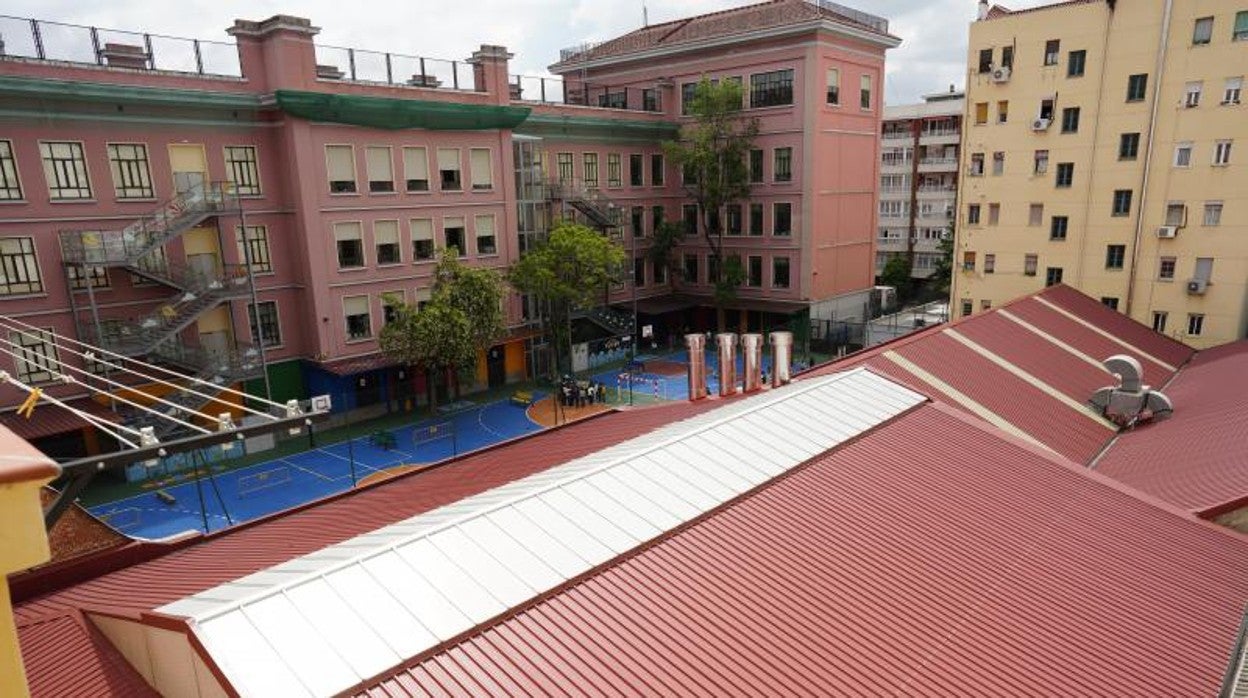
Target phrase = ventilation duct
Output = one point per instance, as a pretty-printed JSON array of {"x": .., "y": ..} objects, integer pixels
[
  {"x": 696, "y": 345},
  {"x": 727, "y": 344},
  {"x": 781, "y": 357},
  {"x": 1130, "y": 402},
  {"x": 752, "y": 361}
]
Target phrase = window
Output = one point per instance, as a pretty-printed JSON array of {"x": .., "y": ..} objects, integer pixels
[
  {"x": 1065, "y": 174},
  {"x": 1122, "y": 202},
  {"x": 10, "y": 185},
  {"x": 1183, "y": 155},
  {"x": 242, "y": 169},
  {"x": 977, "y": 165},
  {"x": 340, "y": 159},
  {"x": 1195, "y": 324},
  {"x": 265, "y": 327},
  {"x": 567, "y": 171},
  {"x": 1176, "y": 214},
  {"x": 350, "y": 245},
  {"x": 448, "y": 169},
  {"x": 994, "y": 214},
  {"x": 416, "y": 169},
  {"x": 689, "y": 216},
  {"x": 968, "y": 307},
  {"x": 359, "y": 320},
  {"x": 687, "y": 92},
  {"x": 756, "y": 165},
  {"x": 1213, "y": 213},
  {"x": 1109, "y": 302},
  {"x": 1222, "y": 153},
  {"x": 1192, "y": 93},
  {"x": 972, "y": 214},
  {"x": 97, "y": 275},
  {"x": 771, "y": 89},
  {"x": 1115, "y": 256},
  {"x": 735, "y": 226},
  {"x": 1007, "y": 56},
  {"x": 1075, "y": 61},
  {"x": 712, "y": 269},
  {"x": 1136, "y": 86},
  {"x": 834, "y": 86},
  {"x": 1204, "y": 269},
  {"x": 483, "y": 225},
  {"x": 1041, "y": 162},
  {"x": 380, "y": 169},
  {"x": 1231, "y": 91},
  {"x": 1030, "y": 262},
  {"x": 386, "y": 242},
  {"x": 968, "y": 261},
  {"x": 1202, "y": 33},
  {"x": 636, "y": 170},
  {"x": 453, "y": 231},
  {"x": 658, "y": 270},
  {"x": 391, "y": 302},
  {"x": 865, "y": 92},
  {"x": 1052, "y": 48},
  {"x": 639, "y": 271},
  {"x": 1003, "y": 111},
  {"x": 132, "y": 179},
  {"x": 589, "y": 169},
  {"x": 981, "y": 113},
  {"x": 782, "y": 219},
  {"x": 985, "y": 60},
  {"x": 783, "y": 165},
  {"x": 255, "y": 244},
  {"x": 990, "y": 264},
  {"x": 1046, "y": 110},
  {"x": 65, "y": 168},
  {"x": 1128, "y": 146},
  {"x": 1052, "y": 276},
  {"x": 690, "y": 269},
  {"x": 422, "y": 239},
  {"x": 1070, "y": 120},
  {"x": 1058, "y": 226},
  {"x": 656, "y": 217},
  {"x": 1035, "y": 215},
  {"x": 1240, "y": 31},
  {"x": 998, "y": 163},
  {"x": 637, "y": 221},
  {"x": 754, "y": 271},
  {"x": 1159, "y": 320},
  {"x": 36, "y": 357},
  {"x": 483, "y": 168},
  {"x": 656, "y": 170},
  {"x": 614, "y": 176},
  {"x": 649, "y": 99},
  {"x": 756, "y": 219},
  {"x": 780, "y": 272},
  {"x": 1165, "y": 269}
]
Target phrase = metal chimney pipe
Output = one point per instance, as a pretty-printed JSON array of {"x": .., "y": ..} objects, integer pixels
[
  {"x": 752, "y": 359},
  {"x": 781, "y": 358},
  {"x": 696, "y": 345},
  {"x": 727, "y": 344}
]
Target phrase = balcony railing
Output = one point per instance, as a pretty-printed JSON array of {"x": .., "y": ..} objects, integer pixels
[
  {"x": 574, "y": 92},
  {"x": 357, "y": 65},
  {"x": 72, "y": 43},
  {"x": 938, "y": 133},
  {"x": 938, "y": 161}
]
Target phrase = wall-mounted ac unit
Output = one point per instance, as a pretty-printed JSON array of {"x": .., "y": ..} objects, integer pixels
[
  {"x": 1001, "y": 74},
  {"x": 1197, "y": 287},
  {"x": 1041, "y": 124},
  {"x": 1167, "y": 232}
]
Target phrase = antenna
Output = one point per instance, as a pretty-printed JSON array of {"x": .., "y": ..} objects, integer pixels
[{"x": 645, "y": 14}]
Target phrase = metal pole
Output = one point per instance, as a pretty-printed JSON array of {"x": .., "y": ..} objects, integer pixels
[
  {"x": 255, "y": 302},
  {"x": 212, "y": 480},
  {"x": 632, "y": 359},
  {"x": 199, "y": 488}
]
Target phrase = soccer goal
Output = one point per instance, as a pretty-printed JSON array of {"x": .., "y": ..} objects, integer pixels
[
  {"x": 257, "y": 482},
  {"x": 434, "y": 433}
]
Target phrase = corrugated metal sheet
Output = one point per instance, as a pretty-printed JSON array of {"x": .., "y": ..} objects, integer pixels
[
  {"x": 324, "y": 622},
  {"x": 1159, "y": 345},
  {"x": 98, "y": 668},
  {"x": 928, "y": 557}
]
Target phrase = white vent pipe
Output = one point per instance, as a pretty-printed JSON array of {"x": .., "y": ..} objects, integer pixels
[
  {"x": 781, "y": 358},
  {"x": 727, "y": 344},
  {"x": 696, "y": 345},
  {"x": 752, "y": 359}
]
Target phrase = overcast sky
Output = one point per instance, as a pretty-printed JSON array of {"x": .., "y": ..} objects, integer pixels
[{"x": 931, "y": 57}]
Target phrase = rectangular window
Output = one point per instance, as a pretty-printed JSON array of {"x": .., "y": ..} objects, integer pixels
[
  {"x": 1240, "y": 31},
  {"x": 771, "y": 89},
  {"x": 566, "y": 169},
  {"x": 1052, "y": 48},
  {"x": 483, "y": 225},
  {"x": 589, "y": 169},
  {"x": 1176, "y": 214},
  {"x": 636, "y": 170},
  {"x": 689, "y": 216},
  {"x": 132, "y": 179},
  {"x": 358, "y": 318},
  {"x": 1195, "y": 324},
  {"x": 242, "y": 169},
  {"x": 656, "y": 170},
  {"x": 780, "y": 272},
  {"x": 1183, "y": 155},
  {"x": 981, "y": 113},
  {"x": 65, "y": 167},
  {"x": 386, "y": 242},
  {"x": 1065, "y": 174},
  {"x": 1075, "y": 61},
  {"x": 422, "y": 239},
  {"x": 756, "y": 219},
  {"x": 1035, "y": 216},
  {"x": 256, "y": 245},
  {"x": 453, "y": 231},
  {"x": 1046, "y": 111},
  {"x": 265, "y": 326},
  {"x": 1003, "y": 111},
  {"x": 689, "y": 269},
  {"x": 977, "y": 165},
  {"x": 864, "y": 96},
  {"x": 1213, "y": 213},
  {"x": 985, "y": 60},
  {"x": 448, "y": 169},
  {"x": 1109, "y": 302},
  {"x": 687, "y": 92},
  {"x": 10, "y": 185},
  {"x": 998, "y": 163},
  {"x": 1232, "y": 90},
  {"x": 97, "y": 275},
  {"x": 1052, "y": 276},
  {"x": 614, "y": 176},
  {"x": 1159, "y": 320},
  {"x": 972, "y": 214},
  {"x": 756, "y": 165},
  {"x": 350, "y": 245},
  {"x": 1007, "y": 56},
  {"x": 735, "y": 224},
  {"x": 391, "y": 302},
  {"x": 1222, "y": 153},
  {"x": 1192, "y": 92},
  {"x": 637, "y": 221},
  {"x": 994, "y": 214},
  {"x": 649, "y": 99},
  {"x": 340, "y": 161},
  {"x": 482, "y": 169},
  {"x": 658, "y": 271},
  {"x": 1041, "y": 162},
  {"x": 1030, "y": 263},
  {"x": 656, "y": 217},
  {"x": 1136, "y": 86},
  {"x": 416, "y": 169},
  {"x": 1128, "y": 146},
  {"x": 379, "y": 165},
  {"x": 1122, "y": 202},
  {"x": 968, "y": 307},
  {"x": 1070, "y": 120},
  {"x": 639, "y": 271},
  {"x": 968, "y": 261},
  {"x": 1058, "y": 226},
  {"x": 37, "y": 360},
  {"x": 782, "y": 219},
  {"x": 834, "y": 86},
  {"x": 1165, "y": 269},
  {"x": 754, "y": 271},
  {"x": 783, "y": 165},
  {"x": 990, "y": 264},
  {"x": 1202, "y": 32},
  {"x": 1115, "y": 256},
  {"x": 1204, "y": 269}
]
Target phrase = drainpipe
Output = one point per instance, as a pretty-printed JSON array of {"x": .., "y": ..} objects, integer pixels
[{"x": 1148, "y": 154}]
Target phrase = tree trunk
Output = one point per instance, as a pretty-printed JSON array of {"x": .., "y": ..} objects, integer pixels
[
  {"x": 721, "y": 318},
  {"x": 453, "y": 376},
  {"x": 431, "y": 391}
]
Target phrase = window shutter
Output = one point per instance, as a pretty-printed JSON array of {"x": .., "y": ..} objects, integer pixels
[
  {"x": 355, "y": 305},
  {"x": 386, "y": 232},
  {"x": 422, "y": 229},
  {"x": 415, "y": 163},
  {"x": 482, "y": 176},
  {"x": 341, "y": 160},
  {"x": 448, "y": 158},
  {"x": 346, "y": 231},
  {"x": 484, "y": 225},
  {"x": 380, "y": 167}
]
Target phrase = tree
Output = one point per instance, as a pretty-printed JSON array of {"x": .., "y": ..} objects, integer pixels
[
  {"x": 942, "y": 273},
  {"x": 667, "y": 237},
  {"x": 567, "y": 271},
  {"x": 896, "y": 273},
  {"x": 713, "y": 152}
]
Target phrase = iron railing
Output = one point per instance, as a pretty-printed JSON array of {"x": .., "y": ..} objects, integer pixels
[
  {"x": 358, "y": 65},
  {"x": 545, "y": 90}
]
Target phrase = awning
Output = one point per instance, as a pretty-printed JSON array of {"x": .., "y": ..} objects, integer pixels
[
  {"x": 359, "y": 364},
  {"x": 50, "y": 420},
  {"x": 659, "y": 305},
  {"x": 395, "y": 114}
]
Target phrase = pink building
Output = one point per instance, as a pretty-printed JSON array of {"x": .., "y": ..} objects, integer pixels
[{"x": 251, "y": 211}]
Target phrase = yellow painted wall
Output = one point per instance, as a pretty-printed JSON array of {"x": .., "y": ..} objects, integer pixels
[
  {"x": 201, "y": 241},
  {"x": 513, "y": 360}
]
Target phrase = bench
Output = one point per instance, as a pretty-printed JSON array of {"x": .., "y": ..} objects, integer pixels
[{"x": 524, "y": 398}]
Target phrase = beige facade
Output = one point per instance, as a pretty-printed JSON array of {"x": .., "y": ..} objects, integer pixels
[{"x": 1118, "y": 166}]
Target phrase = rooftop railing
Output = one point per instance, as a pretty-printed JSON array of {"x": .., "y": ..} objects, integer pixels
[
  {"x": 357, "y": 65},
  {"x": 558, "y": 91},
  {"x": 72, "y": 43},
  {"x": 877, "y": 23}
]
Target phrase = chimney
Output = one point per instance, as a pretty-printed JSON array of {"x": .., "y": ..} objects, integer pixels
[
  {"x": 983, "y": 10},
  {"x": 727, "y": 342},
  {"x": 781, "y": 357},
  {"x": 696, "y": 345},
  {"x": 752, "y": 359}
]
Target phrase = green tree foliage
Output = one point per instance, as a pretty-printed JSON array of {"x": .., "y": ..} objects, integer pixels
[
  {"x": 942, "y": 273},
  {"x": 896, "y": 273},
  {"x": 666, "y": 238},
  {"x": 730, "y": 279}
]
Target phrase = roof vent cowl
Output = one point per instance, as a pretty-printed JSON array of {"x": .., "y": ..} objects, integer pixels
[{"x": 1130, "y": 402}]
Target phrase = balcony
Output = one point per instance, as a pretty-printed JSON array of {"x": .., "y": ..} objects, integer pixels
[
  {"x": 898, "y": 136},
  {"x": 933, "y": 193},
  {"x": 896, "y": 165},
  {"x": 938, "y": 165},
  {"x": 543, "y": 90},
  {"x": 942, "y": 137}
]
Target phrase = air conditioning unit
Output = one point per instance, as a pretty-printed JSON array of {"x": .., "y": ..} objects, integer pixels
[
  {"x": 1041, "y": 124},
  {"x": 1167, "y": 232},
  {"x": 1196, "y": 287},
  {"x": 1001, "y": 74}
]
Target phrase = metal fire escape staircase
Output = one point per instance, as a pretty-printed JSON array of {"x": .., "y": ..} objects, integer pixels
[{"x": 598, "y": 210}]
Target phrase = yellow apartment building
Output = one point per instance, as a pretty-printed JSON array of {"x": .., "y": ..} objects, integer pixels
[{"x": 1104, "y": 147}]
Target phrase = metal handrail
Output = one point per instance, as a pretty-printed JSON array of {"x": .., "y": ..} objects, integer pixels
[{"x": 383, "y": 67}]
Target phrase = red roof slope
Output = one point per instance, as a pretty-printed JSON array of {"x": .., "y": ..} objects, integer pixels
[
  {"x": 1165, "y": 348},
  {"x": 98, "y": 669},
  {"x": 1197, "y": 459},
  {"x": 929, "y": 557}
]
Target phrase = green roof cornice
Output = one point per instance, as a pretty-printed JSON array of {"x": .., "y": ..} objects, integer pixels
[
  {"x": 73, "y": 90},
  {"x": 597, "y": 128},
  {"x": 394, "y": 114}
]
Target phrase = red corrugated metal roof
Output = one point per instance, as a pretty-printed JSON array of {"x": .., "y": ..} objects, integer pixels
[
  {"x": 929, "y": 557},
  {"x": 1165, "y": 348},
  {"x": 1197, "y": 459},
  {"x": 97, "y": 668},
  {"x": 49, "y": 420}
]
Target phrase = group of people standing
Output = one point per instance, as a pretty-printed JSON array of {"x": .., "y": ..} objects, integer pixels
[{"x": 574, "y": 393}]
